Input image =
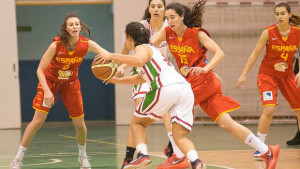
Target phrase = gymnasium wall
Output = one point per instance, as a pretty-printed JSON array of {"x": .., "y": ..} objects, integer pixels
[
  {"x": 37, "y": 25},
  {"x": 236, "y": 26}
]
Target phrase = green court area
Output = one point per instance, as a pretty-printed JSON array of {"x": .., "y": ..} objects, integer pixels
[{"x": 56, "y": 148}]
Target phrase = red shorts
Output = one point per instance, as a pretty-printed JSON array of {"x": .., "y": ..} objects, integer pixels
[
  {"x": 210, "y": 98},
  {"x": 70, "y": 94},
  {"x": 268, "y": 85}
]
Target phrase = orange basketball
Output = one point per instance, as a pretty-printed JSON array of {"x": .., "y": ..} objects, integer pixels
[{"x": 104, "y": 71}]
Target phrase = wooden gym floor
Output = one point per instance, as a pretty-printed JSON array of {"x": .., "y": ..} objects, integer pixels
[{"x": 55, "y": 147}]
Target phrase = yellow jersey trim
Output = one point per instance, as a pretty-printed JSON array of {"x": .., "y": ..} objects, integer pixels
[
  {"x": 271, "y": 27},
  {"x": 226, "y": 112},
  {"x": 40, "y": 110},
  {"x": 296, "y": 27},
  {"x": 76, "y": 117},
  {"x": 270, "y": 105}
]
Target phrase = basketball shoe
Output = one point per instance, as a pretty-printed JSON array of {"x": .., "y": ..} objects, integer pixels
[
  {"x": 142, "y": 161},
  {"x": 271, "y": 156},
  {"x": 84, "y": 162},
  {"x": 295, "y": 140},
  {"x": 257, "y": 155},
  {"x": 125, "y": 162},
  {"x": 174, "y": 163},
  {"x": 16, "y": 164},
  {"x": 197, "y": 164}
]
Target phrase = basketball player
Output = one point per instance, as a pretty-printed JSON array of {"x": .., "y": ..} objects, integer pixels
[
  {"x": 170, "y": 92},
  {"x": 153, "y": 20},
  {"x": 58, "y": 72},
  {"x": 276, "y": 71},
  {"x": 188, "y": 43}
]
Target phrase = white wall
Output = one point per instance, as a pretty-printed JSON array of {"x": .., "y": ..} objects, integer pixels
[
  {"x": 9, "y": 78},
  {"x": 125, "y": 11}
]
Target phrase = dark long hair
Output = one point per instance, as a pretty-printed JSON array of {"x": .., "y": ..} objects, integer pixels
[
  {"x": 64, "y": 35},
  {"x": 147, "y": 14},
  {"x": 192, "y": 18},
  {"x": 294, "y": 19},
  {"x": 138, "y": 33}
]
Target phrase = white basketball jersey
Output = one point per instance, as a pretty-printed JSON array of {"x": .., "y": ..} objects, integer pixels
[
  {"x": 163, "y": 46},
  {"x": 159, "y": 71}
]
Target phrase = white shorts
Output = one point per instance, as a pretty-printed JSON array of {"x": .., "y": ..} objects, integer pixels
[
  {"x": 140, "y": 90},
  {"x": 177, "y": 99}
]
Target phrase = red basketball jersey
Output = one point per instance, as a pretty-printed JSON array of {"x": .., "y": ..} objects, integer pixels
[
  {"x": 187, "y": 52},
  {"x": 65, "y": 64},
  {"x": 280, "y": 51}
]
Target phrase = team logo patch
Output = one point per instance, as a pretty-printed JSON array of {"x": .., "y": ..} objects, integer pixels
[
  {"x": 267, "y": 95},
  {"x": 184, "y": 70},
  {"x": 281, "y": 67}
]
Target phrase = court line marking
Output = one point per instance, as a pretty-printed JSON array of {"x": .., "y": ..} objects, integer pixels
[
  {"x": 95, "y": 141},
  {"x": 110, "y": 143},
  {"x": 53, "y": 161},
  {"x": 212, "y": 165}
]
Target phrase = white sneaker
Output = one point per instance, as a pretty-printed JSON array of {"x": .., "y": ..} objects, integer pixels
[
  {"x": 84, "y": 162},
  {"x": 16, "y": 164}
]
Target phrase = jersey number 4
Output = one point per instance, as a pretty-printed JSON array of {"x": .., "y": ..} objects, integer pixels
[{"x": 284, "y": 56}]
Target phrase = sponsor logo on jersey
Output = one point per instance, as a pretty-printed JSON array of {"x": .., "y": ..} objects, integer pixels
[
  {"x": 274, "y": 38},
  {"x": 267, "y": 95}
]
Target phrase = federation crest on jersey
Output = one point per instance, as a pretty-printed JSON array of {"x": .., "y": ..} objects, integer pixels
[
  {"x": 185, "y": 70},
  {"x": 282, "y": 66}
]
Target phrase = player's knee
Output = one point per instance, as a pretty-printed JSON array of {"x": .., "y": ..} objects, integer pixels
[
  {"x": 269, "y": 111},
  {"x": 37, "y": 123}
]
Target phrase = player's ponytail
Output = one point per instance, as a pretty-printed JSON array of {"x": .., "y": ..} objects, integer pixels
[
  {"x": 295, "y": 20},
  {"x": 138, "y": 33},
  {"x": 192, "y": 18},
  {"x": 195, "y": 19}
]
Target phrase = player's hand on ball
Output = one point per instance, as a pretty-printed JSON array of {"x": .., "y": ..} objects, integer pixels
[
  {"x": 103, "y": 58},
  {"x": 120, "y": 72}
]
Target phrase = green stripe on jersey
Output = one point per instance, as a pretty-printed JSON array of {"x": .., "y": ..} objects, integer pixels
[
  {"x": 154, "y": 73},
  {"x": 149, "y": 99}
]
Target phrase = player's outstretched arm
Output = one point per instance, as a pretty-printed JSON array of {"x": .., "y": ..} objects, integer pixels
[{"x": 264, "y": 37}]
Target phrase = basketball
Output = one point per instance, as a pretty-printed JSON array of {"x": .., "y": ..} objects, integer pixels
[{"x": 104, "y": 71}]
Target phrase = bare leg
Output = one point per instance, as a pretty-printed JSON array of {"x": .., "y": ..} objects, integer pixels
[
  {"x": 138, "y": 129},
  {"x": 265, "y": 119},
  {"x": 180, "y": 135},
  {"x": 81, "y": 130},
  {"x": 231, "y": 126},
  {"x": 30, "y": 131}
]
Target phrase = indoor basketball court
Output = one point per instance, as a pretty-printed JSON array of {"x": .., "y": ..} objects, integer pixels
[{"x": 30, "y": 25}]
